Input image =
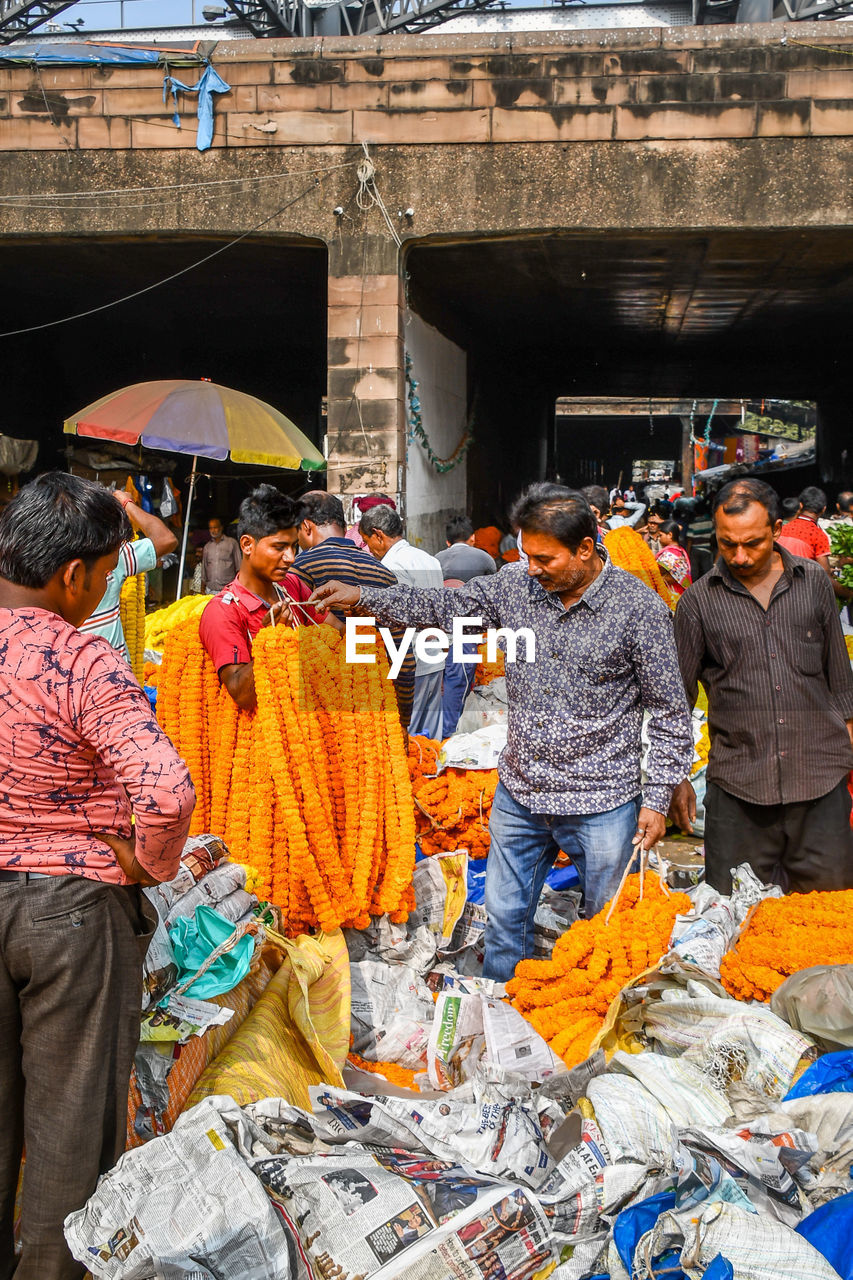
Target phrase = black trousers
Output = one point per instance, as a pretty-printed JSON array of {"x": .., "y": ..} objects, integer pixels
[{"x": 803, "y": 846}]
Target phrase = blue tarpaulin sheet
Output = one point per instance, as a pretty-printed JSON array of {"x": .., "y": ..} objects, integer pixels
[{"x": 72, "y": 54}]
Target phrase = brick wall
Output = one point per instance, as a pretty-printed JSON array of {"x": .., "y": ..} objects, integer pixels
[{"x": 683, "y": 83}]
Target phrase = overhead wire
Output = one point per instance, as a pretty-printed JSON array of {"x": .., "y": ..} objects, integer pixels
[
  {"x": 180, "y": 186},
  {"x": 175, "y": 275}
]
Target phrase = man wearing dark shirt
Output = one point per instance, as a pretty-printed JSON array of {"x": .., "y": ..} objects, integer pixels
[
  {"x": 761, "y": 632},
  {"x": 326, "y": 553}
]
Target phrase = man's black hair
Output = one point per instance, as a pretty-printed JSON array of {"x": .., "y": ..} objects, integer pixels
[
  {"x": 562, "y": 513},
  {"x": 790, "y": 507},
  {"x": 813, "y": 500},
  {"x": 56, "y": 518},
  {"x": 845, "y": 501},
  {"x": 385, "y": 519},
  {"x": 266, "y": 511},
  {"x": 324, "y": 509},
  {"x": 458, "y": 529},
  {"x": 737, "y": 495}
]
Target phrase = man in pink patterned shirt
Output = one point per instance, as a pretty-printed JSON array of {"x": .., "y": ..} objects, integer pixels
[{"x": 80, "y": 753}]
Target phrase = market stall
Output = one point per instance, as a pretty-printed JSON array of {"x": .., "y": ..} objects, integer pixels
[{"x": 663, "y": 1089}]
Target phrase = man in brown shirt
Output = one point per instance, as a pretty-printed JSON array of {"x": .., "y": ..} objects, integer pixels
[
  {"x": 221, "y": 558},
  {"x": 761, "y": 631}
]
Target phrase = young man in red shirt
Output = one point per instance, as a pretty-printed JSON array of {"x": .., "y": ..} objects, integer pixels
[
  {"x": 80, "y": 754},
  {"x": 264, "y": 591}
]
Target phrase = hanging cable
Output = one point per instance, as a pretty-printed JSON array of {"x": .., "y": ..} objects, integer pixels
[
  {"x": 368, "y": 194},
  {"x": 138, "y": 293}
]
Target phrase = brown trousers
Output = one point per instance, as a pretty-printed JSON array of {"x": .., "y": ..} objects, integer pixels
[{"x": 70, "y": 992}]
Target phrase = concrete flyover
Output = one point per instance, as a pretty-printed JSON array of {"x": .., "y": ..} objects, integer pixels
[{"x": 631, "y": 213}]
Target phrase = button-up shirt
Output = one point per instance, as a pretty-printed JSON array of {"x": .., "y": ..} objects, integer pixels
[
  {"x": 576, "y": 712},
  {"x": 778, "y": 681},
  {"x": 221, "y": 561},
  {"x": 80, "y": 750}
]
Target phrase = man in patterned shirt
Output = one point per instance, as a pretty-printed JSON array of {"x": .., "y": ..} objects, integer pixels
[
  {"x": 570, "y": 773},
  {"x": 80, "y": 753}
]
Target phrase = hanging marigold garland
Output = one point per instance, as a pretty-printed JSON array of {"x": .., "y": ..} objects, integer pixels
[
  {"x": 628, "y": 550},
  {"x": 785, "y": 935},
  {"x": 312, "y": 791},
  {"x": 567, "y": 997},
  {"x": 132, "y": 615}
]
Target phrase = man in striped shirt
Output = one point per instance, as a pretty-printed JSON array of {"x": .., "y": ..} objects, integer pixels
[
  {"x": 326, "y": 554},
  {"x": 761, "y": 631},
  {"x": 140, "y": 556}
]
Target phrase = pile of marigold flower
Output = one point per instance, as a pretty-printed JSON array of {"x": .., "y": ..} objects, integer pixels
[
  {"x": 566, "y": 998},
  {"x": 786, "y": 935},
  {"x": 485, "y": 672},
  {"x": 392, "y": 1071},
  {"x": 312, "y": 790},
  {"x": 159, "y": 624},
  {"x": 629, "y": 551},
  {"x": 452, "y": 808},
  {"x": 132, "y": 614}
]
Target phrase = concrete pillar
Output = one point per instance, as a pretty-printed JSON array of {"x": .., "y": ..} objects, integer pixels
[{"x": 366, "y": 417}]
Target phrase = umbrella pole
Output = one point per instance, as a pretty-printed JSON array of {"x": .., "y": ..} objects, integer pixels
[{"x": 186, "y": 527}]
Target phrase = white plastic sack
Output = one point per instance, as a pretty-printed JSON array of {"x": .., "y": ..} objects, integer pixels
[
  {"x": 726, "y": 1038},
  {"x": 758, "y": 1247}
]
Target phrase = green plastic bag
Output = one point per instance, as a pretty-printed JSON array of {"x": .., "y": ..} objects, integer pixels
[{"x": 194, "y": 938}]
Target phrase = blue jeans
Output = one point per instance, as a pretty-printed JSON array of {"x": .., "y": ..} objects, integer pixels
[
  {"x": 458, "y": 682},
  {"x": 522, "y": 852}
]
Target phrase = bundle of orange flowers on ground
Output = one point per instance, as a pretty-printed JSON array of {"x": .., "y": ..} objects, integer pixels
[
  {"x": 786, "y": 935},
  {"x": 392, "y": 1072},
  {"x": 485, "y": 672},
  {"x": 452, "y": 809},
  {"x": 312, "y": 790},
  {"x": 629, "y": 551},
  {"x": 566, "y": 998}
]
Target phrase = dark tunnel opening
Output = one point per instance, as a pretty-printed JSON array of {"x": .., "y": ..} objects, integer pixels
[{"x": 653, "y": 314}]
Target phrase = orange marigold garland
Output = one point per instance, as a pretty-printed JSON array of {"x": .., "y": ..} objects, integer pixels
[
  {"x": 567, "y": 997},
  {"x": 312, "y": 791},
  {"x": 785, "y": 935},
  {"x": 629, "y": 551}
]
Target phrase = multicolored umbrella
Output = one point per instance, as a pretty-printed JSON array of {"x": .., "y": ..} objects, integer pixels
[{"x": 198, "y": 418}]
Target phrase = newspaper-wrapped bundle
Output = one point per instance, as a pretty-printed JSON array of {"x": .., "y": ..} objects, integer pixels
[
  {"x": 185, "y": 1204},
  {"x": 385, "y": 1214}
]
